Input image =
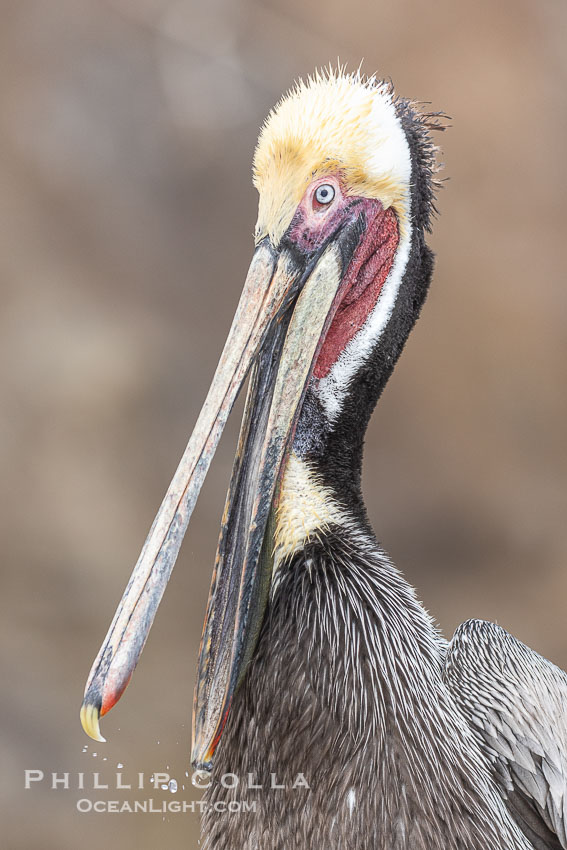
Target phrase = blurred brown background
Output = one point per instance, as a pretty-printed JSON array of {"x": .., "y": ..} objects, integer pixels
[{"x": 127, "y": 130}]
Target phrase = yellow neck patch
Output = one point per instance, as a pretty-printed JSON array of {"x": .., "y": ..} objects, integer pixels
[
  {"x": 305, "y": 508},
  {"x": 334, "y": 122}
]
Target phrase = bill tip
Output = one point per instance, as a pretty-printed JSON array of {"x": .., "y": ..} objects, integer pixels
[{"x": 90, "y": 715}]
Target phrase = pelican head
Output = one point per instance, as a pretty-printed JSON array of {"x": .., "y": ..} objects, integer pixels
[{"x": 344, "y": 172}]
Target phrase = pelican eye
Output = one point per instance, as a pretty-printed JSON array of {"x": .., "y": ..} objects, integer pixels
[{"x": 324, "y": 193}]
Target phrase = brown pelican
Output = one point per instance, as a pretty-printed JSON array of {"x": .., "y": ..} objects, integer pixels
[{"x": 319, "y": 669}]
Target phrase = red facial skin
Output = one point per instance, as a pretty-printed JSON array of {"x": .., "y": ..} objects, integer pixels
[{"x": 369, "y": 267}]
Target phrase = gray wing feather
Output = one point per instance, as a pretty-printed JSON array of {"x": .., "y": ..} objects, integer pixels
[{"x": 516, "y": 703}]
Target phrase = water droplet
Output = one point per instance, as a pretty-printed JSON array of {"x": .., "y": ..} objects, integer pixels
[
  {"x": 119, "y": 765},
  {"x": 172, "y": 786},
  {"x": 94, "y": 755}
]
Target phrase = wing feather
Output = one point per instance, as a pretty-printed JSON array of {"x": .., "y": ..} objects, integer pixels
[{"x": 516, "y": 702}]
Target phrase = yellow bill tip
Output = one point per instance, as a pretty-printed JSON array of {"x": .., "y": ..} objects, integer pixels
[{"x": 90, "y": 721}]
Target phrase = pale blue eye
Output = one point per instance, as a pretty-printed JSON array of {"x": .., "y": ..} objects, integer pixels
[{"x": 324, "y": 193}]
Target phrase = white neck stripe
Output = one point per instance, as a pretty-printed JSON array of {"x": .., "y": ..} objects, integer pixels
[{"x": 332, "y": 389}]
